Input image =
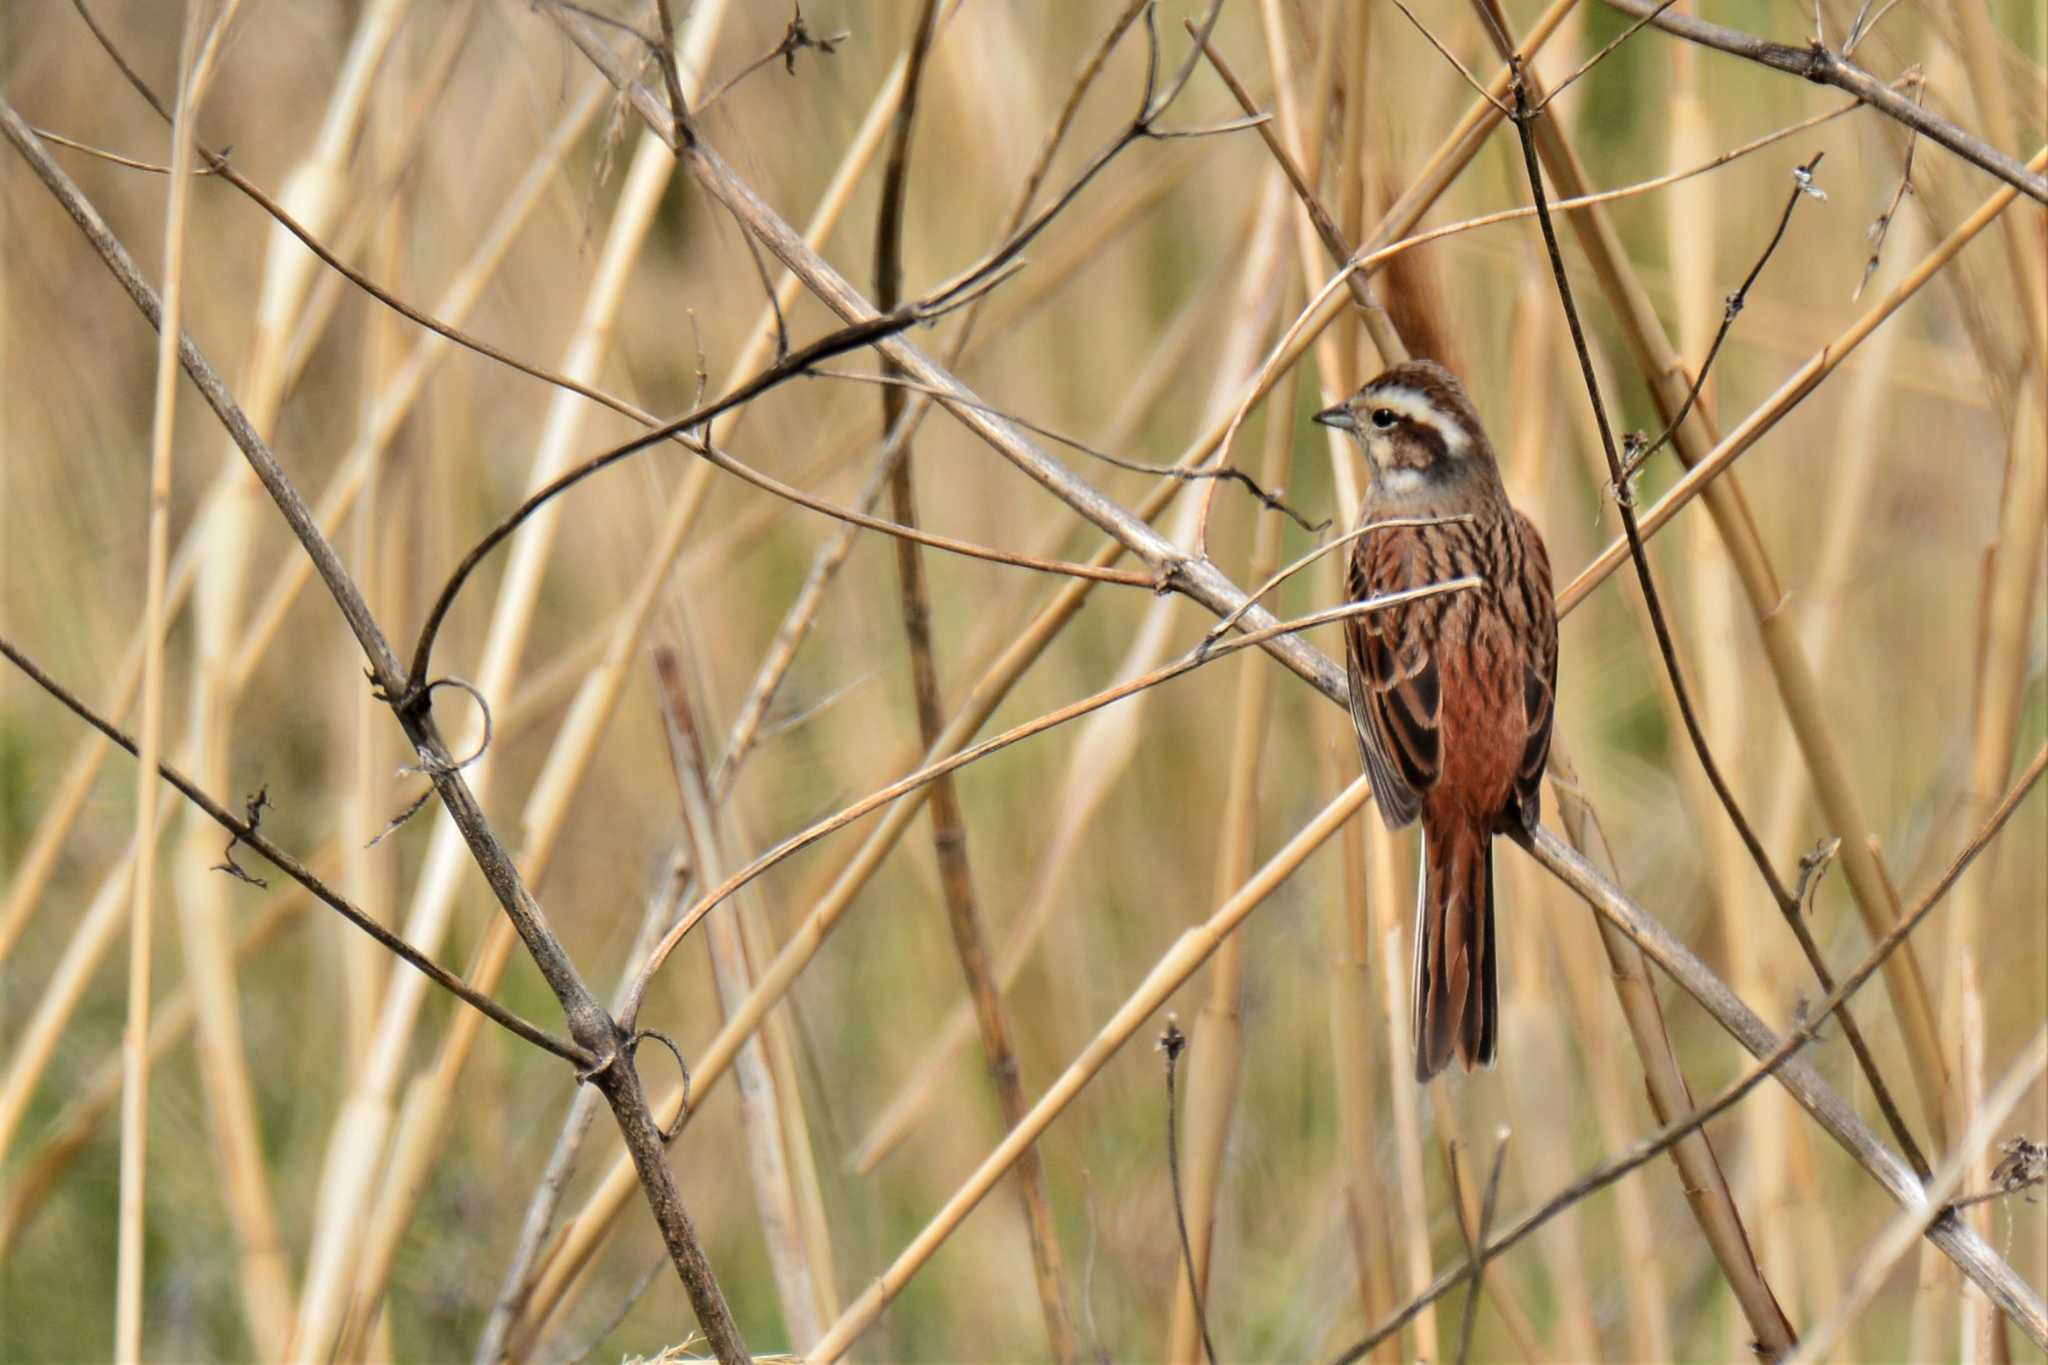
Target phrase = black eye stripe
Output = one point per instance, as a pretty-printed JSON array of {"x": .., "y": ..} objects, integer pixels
[{"x": 1428, "y": 434}]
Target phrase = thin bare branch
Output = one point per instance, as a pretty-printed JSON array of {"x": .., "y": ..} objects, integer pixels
[
  {"x": 246, "y": 832},
  {"x": 1456, "y": 65},
  {"x": 1823, "y": 67}
]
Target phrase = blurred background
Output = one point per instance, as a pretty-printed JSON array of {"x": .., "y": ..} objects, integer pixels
[{"x": 340, "y": 1159}]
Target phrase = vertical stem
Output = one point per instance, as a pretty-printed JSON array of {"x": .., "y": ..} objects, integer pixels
[
  {"x": 1216, "y": 1061},
  {"x": 142, "y": 898},
  {"x": 949, "y": 828}
]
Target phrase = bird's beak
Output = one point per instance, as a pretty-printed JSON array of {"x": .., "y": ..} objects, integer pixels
[{"x": 1339, "y": 417}]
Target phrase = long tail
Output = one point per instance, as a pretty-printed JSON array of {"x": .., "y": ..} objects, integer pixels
[{"x": 1457, "y": 995}]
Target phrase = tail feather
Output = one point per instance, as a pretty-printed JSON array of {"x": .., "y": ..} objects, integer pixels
[{"x": 1457, "y": 993}]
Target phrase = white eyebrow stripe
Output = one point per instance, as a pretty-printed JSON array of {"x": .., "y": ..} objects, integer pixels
[{"x": 1417, "y": 408}]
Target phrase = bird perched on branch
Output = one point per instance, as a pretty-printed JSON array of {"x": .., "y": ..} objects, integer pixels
[{"x": 1452, "y": 694}]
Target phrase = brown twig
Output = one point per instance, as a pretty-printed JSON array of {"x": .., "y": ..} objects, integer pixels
[
  {"x": 245, "y": 832},
  {"x": 1881, "y": 227},
  {"x": 1475, "y": 1238},
  {"x": 1266, "y": 498},
  {"x": 795, "y": 38},
  {"x": 1802, "y": 187},
  {"x": 1816, "y": 63},
  {"x": 1172, "y": 1043}
]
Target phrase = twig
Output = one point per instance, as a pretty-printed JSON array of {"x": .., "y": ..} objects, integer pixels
[
  {"x": 1882, "y": 226},
  {"x": 1229, "y": 620},
  {"x": 1456, "y": 65},
  {"x": 117, "y": 159},
  {"x": 847, "y": 338},
  {"x": 665, "y": 58},
  {"x": 796, "y": 38},
  {"x": 1816, "y": 63},
  {"x": 1270, "y": 500},
  {"x": 1474, "y": 1240},
  {"x": 245, "y": 831},
  {"x": 1604, "y": 53},
  {"x": 1802, "y": 187},
  {"x": 1172, "y": 1043}
]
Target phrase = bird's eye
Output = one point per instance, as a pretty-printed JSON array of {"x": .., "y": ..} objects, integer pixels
[{"x": 1383, "y": 418}]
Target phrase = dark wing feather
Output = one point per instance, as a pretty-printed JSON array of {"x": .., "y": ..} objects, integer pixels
[
  {"x": 1396, "y": 697},
  {"x": 1539, "y": 671}
]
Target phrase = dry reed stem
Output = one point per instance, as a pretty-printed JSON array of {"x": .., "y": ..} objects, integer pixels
[
  {"x": 1978, "y": 1321},
  {"x": 1391, "y": 897},
  {"x": 1351, "y": 930},
  {"x": 1992, "y": 93},
  {"x": 1216, "y": 1044},
  {"x": 769, "y": 1162},
  {"x": 1691, "y": 229},
  {"x": 1548, "y": 1121},
  {"x": 193, "y": 73},
  {"x": 1352, "y": 1064},
  {"x": 1190, "y": 950},
  {"x": 1589, "y": 980},
  {"x": 314, "y": 194}
]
